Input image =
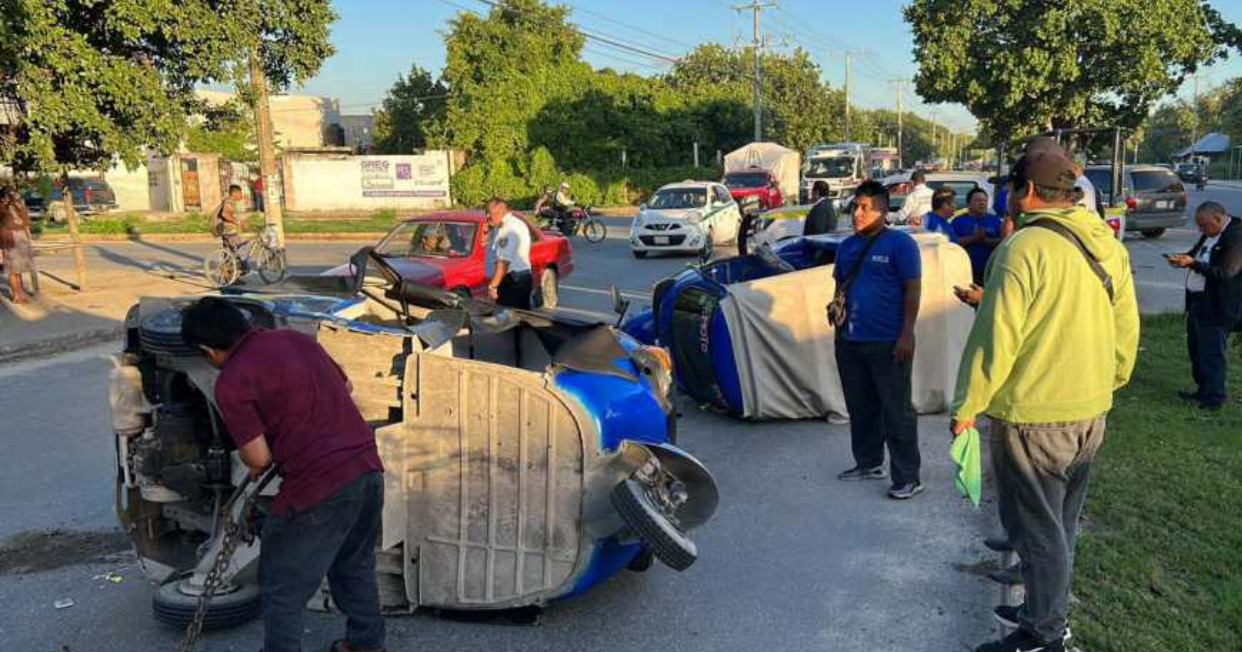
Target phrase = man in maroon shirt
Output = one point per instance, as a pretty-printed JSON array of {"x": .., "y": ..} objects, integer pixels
[{"x": 286, "y": 402}]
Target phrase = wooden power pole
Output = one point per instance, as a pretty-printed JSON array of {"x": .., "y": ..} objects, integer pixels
[{"x": 272, "y": 209}]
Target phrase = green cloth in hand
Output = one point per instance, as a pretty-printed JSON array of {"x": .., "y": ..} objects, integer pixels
[{"x": 965, "y": 453}]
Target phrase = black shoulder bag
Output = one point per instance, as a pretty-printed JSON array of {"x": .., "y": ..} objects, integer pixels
[
  {"x": 838, "y": 314},
  {"x": 1063, "y": 231}
]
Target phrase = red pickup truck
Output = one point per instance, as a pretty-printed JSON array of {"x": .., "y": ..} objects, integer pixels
[
  {"x": 757, "y": 182},
  {"x": 449, "y": 250}
]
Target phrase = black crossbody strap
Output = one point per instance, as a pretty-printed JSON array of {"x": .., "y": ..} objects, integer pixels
[
  {"x": 849, "y": 278},
  {"x": 1057, "y": 227}
]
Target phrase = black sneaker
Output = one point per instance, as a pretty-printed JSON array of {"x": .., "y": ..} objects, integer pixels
[
  {"x": 1190, "y": 397},
  {"x": 1211, "y": 406},
  {"x": 863, "y": 473},
  {"x": 1021, "y": 641},
  {"x": 906, "y": 491},
  {"x": 1008, "y": 615},
  {"x": 998, "y": 544}
]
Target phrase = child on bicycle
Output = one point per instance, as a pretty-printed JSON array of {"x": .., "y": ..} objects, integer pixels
[{"x": 228, "y": 222}]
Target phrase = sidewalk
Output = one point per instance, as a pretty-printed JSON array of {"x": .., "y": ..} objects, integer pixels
[{"x": 61, "y": 318}]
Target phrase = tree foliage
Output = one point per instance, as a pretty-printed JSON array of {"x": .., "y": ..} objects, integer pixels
[
  {"x": 1023, "y": 66},
  {"x": 98, "y": 80},
  {"x": 227, "y": 130},
  {"x": 414, "y": 107}
]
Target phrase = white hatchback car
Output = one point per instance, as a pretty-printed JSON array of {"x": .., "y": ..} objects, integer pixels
[{"x": 686, "y": 217}]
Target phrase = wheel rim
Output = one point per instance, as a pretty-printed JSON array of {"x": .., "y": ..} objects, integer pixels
[
  {"x": 272, "y": 265},
  {"x": 221, "y": 268},
  {"x": 595, "y": 231}
]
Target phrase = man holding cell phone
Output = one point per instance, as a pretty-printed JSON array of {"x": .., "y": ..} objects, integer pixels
[{"x": 1213, "y": 301}]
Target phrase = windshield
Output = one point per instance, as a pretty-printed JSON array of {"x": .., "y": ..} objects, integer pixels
[
  {"x": 1156, "y": 181},
  {"x": 830, "y": 168},
  {"x": 748, "y": 180},
  {"x": 673, "y": 198},
  {"x": 429, "y": 239}
]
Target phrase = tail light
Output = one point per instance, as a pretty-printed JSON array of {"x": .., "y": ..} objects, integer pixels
[
  {"x": 656, "y": 363},
  {"x": 1115, "y": 224},
  {"x": 1131, "y": 204}
]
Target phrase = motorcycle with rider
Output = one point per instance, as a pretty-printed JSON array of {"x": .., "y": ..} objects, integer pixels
[{"x": 559, "y": 210}]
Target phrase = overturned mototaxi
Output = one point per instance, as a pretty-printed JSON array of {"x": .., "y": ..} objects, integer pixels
[{"x": 528, "y": 456}]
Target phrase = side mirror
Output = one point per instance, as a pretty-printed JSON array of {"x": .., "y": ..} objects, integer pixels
[{"x": 620, "y": 305}]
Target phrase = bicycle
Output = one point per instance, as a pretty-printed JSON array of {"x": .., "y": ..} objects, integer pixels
[{"x": 228, "y": 264}]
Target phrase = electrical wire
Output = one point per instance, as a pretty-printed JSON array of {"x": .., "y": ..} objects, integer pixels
[{"x": 598, "y": 37}]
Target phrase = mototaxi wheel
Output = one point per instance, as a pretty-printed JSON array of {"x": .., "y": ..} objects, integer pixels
[
  {"x": 177, "y": 608},
  {"x": 633, "y": 501}
]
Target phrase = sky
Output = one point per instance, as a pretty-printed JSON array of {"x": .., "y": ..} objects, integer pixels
[{"x": 377, "y": 40}]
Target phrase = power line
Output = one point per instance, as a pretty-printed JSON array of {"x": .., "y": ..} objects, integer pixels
[
  {"x": 602, "y": 38},
  {"x": 625, "y": 60},
  {"x": 632, "y": 27}
]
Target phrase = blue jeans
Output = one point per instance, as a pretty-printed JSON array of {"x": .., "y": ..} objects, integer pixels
[{"x": 336, "y": 537}]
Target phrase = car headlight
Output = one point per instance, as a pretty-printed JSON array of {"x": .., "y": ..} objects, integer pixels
[
  {"x": 656, "y": 364},
  {"x": 694, "y": 217}
]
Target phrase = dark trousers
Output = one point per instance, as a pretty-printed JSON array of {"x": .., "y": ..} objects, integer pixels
[
  {"x": 336, "y": 537},
  {"x": 1207, "y": 344},
  {"x": 878, "y": 396},
  {"x": 515, "y": 290},
  {"x": 1044, "y": 470}
]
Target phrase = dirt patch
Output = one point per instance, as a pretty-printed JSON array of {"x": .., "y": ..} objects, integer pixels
[
  {"x": 33, "y": 552},
  {"x": 980, "y": 568}
]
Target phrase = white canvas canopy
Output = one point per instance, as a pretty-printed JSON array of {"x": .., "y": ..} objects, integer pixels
[
  {"x": 783, "y": 343},
  {"x": 784, "y": 164}
]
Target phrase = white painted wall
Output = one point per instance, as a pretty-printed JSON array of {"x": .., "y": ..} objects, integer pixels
[
  {"x": 132, "y": 187},
  {"x": 342, "y": 182}
]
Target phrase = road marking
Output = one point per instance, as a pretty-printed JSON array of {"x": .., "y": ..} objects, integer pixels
[{"x": 629, "y": 294}]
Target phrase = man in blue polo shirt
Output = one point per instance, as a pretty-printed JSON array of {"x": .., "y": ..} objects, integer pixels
[
  {"x": 879, "y": 270},
  {"x": 978, "y": 232}
]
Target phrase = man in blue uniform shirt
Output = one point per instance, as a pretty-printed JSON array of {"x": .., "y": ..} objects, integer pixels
[
  {"x": 978, "y": 232},
  {"x": 879, "y": 270}
]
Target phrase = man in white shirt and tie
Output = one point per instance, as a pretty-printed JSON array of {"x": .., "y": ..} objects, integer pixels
[{"x": 511, "y": 282}]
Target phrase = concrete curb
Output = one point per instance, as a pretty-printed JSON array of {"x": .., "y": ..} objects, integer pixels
[{"x": 59, "y": 344}]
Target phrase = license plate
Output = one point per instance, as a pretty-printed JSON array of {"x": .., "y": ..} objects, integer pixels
[
  {"x": 1164, "y": 205},
  {"x": 661, "y": 239}
]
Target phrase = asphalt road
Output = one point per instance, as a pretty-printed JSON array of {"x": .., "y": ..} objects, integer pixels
[{"x": 793, "y": 561}]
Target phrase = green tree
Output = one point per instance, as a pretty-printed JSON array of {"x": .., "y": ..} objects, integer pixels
[
  {"x": 1023, "y": 66},
  {"x": 226, "y": 130},
  {"x": 98, "y": 80},
  {"x": 415, "y": 106}
]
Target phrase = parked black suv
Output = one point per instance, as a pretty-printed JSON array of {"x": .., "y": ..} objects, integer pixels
[{"x": 90, "y": 197}]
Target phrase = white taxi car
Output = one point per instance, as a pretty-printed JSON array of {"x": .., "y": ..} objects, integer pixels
[{"x": 686, "y": 217}]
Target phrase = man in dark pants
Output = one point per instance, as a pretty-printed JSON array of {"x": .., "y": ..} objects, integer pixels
[
  {"x": 1055, "y": 335},
  {"x": 511, "y": 281},
  {"x": 286, "y": 402},
  {"x": 1213, "y": 298},
  {"x": 823, "y": 215},
  {"x": 880, "y": 271}
]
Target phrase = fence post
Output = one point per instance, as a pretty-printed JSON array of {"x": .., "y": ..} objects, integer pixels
[
  {"x": 696, "y": 153},
  {"x": 623, "y": 158}
]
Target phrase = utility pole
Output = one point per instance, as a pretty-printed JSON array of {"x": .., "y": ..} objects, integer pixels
[
  {"x": 756, "y": 7},
  {"x": 272, "y": 208},
  {"x": 849, "y": 60},
  {"x": 900, "y": 84}
]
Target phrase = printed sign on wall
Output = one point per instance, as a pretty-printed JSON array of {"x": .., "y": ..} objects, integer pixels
[{"x": 404, "y": 176}]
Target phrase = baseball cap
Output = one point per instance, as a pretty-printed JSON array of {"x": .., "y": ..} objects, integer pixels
[
  {"x": 1044, "y": 144},
  {"x": 1048, "y": 167}
]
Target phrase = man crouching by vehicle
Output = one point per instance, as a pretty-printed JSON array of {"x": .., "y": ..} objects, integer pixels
[{"x": 286, "y": 402}]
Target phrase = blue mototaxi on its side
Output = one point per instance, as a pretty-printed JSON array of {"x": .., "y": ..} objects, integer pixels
[
  {"x": 685, "y": 317},
  {"x": 529, "y": 456}
]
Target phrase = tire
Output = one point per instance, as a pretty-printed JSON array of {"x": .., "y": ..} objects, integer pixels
[
  {"x": 638, "y": 254},
  {"x": 172, "y": 607},
  {"x": 462, "y": 292},
  {"x": 668, "y": 543},
  {"x": 272, "y": 265},
  {"x": 222, "y": 268},
  {"x": 641, "y": 562},
  {"x": 594, "y": 230},
  {"x": 1152, "y": 234},
  {"x": 549, "y": 288}
]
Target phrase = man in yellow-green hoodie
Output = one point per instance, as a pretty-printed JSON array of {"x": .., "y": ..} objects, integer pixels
[{"x": 1056, "y": 333}]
